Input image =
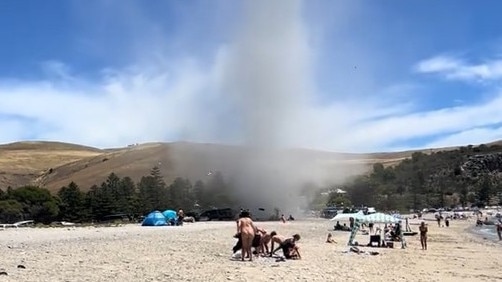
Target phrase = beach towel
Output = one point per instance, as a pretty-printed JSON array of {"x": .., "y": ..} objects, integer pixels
[{"x": 238, "y": 245}]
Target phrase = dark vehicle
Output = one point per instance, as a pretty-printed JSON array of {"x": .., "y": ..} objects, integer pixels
[
  {"x": 329, "y": 212},
  {"x": 195, "y": 215},
  {"x": 218, "y": 214}
]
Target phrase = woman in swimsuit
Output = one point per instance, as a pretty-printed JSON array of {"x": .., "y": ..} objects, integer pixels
[{"x": 423, "y": 235}]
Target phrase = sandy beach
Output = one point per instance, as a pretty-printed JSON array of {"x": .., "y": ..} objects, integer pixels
[{"x": 202, "y": 252}]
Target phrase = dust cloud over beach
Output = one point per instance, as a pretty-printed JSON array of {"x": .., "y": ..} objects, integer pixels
[{"x": 265, "y": 78}]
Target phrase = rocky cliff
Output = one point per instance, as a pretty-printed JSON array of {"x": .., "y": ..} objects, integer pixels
[{"x": 486, "y": 163}]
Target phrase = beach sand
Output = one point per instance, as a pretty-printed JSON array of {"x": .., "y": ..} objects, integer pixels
[{"x": 202, "y": 252}]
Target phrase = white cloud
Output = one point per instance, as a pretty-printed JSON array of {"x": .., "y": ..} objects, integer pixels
[
  {"x": 131, "y": 106},
  {"x": 481, "y": 135},
  {"x": 127, "y": 106},
  {"x": 457, "y": 69},
  {"x": 257, "y": 88}
]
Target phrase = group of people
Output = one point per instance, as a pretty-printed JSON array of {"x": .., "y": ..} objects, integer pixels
[
  {"x": 439, "y": 218},
  {"x": 251, "y": 236}
]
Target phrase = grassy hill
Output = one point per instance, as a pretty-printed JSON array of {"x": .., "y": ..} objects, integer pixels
[{"x": 54, "y": 164}]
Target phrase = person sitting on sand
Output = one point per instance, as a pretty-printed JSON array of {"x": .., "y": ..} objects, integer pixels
[
  {"x": 423, "y": 235},
  {"x": 338, "y": 226},
  {"x": 330, "y": 239},
  {"x": 246, "y": 229},
  {"x": 289, "y": 248},
  {"x": 181, "y": 216},
  {"x": 396, "y": 233}
]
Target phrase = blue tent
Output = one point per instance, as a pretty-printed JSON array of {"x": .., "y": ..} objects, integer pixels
[
  {"x": 154, "y": 218},
  {"x": 170, "y": 214}
]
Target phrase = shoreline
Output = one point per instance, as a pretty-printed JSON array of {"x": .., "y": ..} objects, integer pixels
[{"x": 485, "y": 232}]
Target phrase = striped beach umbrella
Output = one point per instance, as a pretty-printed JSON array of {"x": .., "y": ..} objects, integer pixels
[{"x": 379, "y": 218}]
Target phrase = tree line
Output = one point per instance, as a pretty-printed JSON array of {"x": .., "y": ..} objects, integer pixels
[
  {"x": 435, "y": 180},
  {"x": 114, "y": 196}
]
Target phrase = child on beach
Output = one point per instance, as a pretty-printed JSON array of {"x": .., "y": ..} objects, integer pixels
[
  {"x": 330, "y": 239},
  {"x": 423, "y": 235}
]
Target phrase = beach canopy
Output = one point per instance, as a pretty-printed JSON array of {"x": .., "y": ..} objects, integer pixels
[
  {"x": 155, "y": 218},
  {"x": 170, "y": 214},
  {"x": 379, "y": 218},
  {"x": 346, "y": 216},
  {"x": 374, "y": 218}
]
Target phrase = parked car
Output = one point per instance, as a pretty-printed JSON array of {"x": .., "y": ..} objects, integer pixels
[
  {"x": 193, "y": 215},
  {"x": 329, "y": 212},
  {"x": 218, "y": 214}
]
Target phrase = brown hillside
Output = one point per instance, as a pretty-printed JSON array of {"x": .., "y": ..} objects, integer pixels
[
  {"x": 54, "y": 164},
  {"x": 22, "y": 162}
]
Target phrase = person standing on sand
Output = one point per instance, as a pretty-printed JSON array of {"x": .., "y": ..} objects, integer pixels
[
  {"x": 246, "y": 229},
  {"x": 423, "y": 235},
  {"x": 499, "y": 229}
]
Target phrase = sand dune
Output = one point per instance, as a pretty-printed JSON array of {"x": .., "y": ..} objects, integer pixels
[{"x": 201, "y": 252}]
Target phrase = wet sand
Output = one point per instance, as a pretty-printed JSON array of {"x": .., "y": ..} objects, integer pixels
[{"x": 202, "y": 252}]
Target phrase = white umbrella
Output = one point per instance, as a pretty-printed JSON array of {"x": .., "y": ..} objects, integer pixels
[{"x": 344, "y": 216}]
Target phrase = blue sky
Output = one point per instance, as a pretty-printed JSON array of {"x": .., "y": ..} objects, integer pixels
[{"x": 354, "y": 76}]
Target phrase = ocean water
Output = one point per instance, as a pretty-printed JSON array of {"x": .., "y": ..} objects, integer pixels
[{"x": 486, "y": 231}]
